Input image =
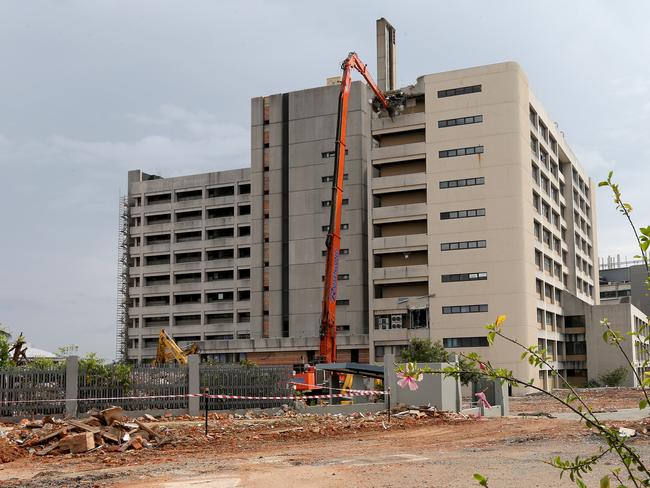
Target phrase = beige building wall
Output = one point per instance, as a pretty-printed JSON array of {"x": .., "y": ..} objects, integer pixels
[{"x": 509, "y": 134}]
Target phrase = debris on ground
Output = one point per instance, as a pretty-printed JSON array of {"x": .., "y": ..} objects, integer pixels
[
  {"x": 111, "y": 431},
  {"x": 600, "y": 400}
]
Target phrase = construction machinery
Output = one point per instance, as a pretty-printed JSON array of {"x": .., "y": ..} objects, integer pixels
[
  {"x": 327, "y": 352},
  {"x": 306, "y": 379},
  {"x": 169, "y": 351}
]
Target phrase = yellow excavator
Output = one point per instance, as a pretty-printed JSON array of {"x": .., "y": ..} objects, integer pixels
[{"x": 169, "y": 351}]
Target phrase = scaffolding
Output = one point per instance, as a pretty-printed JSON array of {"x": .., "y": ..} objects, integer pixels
[{"x": 123, "y": 258}]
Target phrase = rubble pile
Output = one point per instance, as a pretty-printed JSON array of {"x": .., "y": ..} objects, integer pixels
[{"x": 109, "y": 429}]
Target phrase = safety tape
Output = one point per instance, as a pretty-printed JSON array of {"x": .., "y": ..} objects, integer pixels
[
  {"x": 203, "y": 395},
  {"x": 326, "y": 387}
]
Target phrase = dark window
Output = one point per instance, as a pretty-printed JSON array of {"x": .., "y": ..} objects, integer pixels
[
  {"x": 183, "y": 196},
  {"x": 155, "y": 199},
  {"x": 188, "y": 298},
  {"x": 244, "y": 188},
  {"x": 244, "y": 209},
  {"x": 343, "y": 302},
  {"x": 227, "y": 274},
  {"x": 244, "y": 252},
  {"x": 342, "y": 252},
  {"x": 465, "y": 309},
  {"x": 330, "y": 154},
  {"x": 461, "y": 151},
  {"x": 187, "y": 216},
  {"x": 188, "y": 257},
  {"x": 474, "y": 119},
  {"x": 215, "y": 213},
  {"x": 223, "y": 232},
  {"x": 187, "y": 277},
  {"x": 326, "y": 179},
  {"x": 243, "y": 274},
  {"x": 222, "y": 191},
  {"x": 188, "y": 236},
  {"x": 450, "y": 342},
  {"x": 456, "y": 246},
  {"x": 158, "y": 219},
  {"x": 462, "y": 214},
  {"x": 462, "y": 182},
  {"x": 326, "y": 228},
  {"x": 462, "y": 90},
  {"x": 450, "y": 278},
  {"x": 157, "y": 239},
  {"x": 220, "y": 254},
  {"x": 328, "y": 203},
  {"x": 244, "y": 230}
]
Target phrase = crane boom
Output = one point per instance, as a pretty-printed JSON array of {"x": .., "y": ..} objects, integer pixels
[{"x": 333, "y": 242}]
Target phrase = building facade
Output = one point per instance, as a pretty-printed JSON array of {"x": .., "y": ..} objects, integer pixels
[
  {"x": 625, "y": 283},
  {"x": 189, "y": 269},
  {"x": 477, "y": 208}
]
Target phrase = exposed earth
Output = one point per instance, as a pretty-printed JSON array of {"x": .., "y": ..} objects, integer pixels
[{"x": 338, "y": 451}]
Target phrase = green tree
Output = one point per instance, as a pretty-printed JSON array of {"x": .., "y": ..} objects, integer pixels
[
  {"x": 424, "y": 351},
  {"x": 427, "y": 351},
  {"x": 615, "y": 377}
]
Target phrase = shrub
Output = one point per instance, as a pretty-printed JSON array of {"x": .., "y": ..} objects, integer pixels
[{"x": 615, "y": 377}]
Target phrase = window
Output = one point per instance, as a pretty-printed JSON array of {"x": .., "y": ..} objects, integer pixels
[
  {"x": 546, "y": 237},
  {"x": 465, "y": 309},
  {"x": 326, "y": 228},
  {"x": 342, "y": 252},
  {"x": 462, "y": 90},
  {"x": 328, "y": 203},
  {"x": 538, "y": 260},
  {"x": 537, "y": 228},
  {"x": 474, "y": 119},
  {"x": 450, "y": 278},
  {"x": 222, "y": 191},
  {"x": 449, "y": 342},
  {"x": 462, "y": 214},
  {"x": 535, "y": 173},
  {"x": 462, "y": 182},
  {"x": 330, "y": 154},
  {"x": 343, "y": 302},
  {"x": 461, "y": 151},
  {"x": 455, "y": 246},
  {"x": 326, "y": 179}
]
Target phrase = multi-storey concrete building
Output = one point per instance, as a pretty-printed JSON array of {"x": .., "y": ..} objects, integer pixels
[
  {"x": 625, "y": 283},
  {"x": 189, "y": 269},
  {"x": 467, "y": 204},
  {"x": 477, "y": 208}
]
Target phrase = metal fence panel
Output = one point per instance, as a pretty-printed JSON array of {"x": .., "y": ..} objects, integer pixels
[
  {"x": 143, "y": 381},
  {"x": 246, "y": 381},
  {"x": 32, "y": 385}
]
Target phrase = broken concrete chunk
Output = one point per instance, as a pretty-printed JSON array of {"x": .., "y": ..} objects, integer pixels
[{"x": 78, "y": 443}]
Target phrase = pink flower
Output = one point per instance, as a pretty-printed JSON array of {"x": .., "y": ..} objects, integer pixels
[{"x": 410, "y": 381}]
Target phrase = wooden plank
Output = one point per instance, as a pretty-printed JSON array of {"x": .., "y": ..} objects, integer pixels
[
  {"x": 83, "y": 426},
  {"x": 45, "y": 438},
  {"x": 48, "y": 449},
  {"x": 147, "y": 429}
]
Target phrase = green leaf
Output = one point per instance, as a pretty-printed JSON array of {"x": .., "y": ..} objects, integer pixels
[
  {"x": 580, "y": 483},
  {"x": 482, "y": 480},
  {"x": 603, "y": 183},
  {"x": 643, "y": 404},
  {"x": 604, "y": 481}
]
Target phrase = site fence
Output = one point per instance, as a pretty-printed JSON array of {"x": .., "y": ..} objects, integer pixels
[{"x": 68, "y": 389}]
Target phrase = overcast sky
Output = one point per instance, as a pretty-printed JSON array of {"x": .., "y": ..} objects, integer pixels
[{"x": 91, "y": 89}]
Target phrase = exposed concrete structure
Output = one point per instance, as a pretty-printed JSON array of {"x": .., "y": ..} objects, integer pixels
[
  {"x": 292, "y": 157},
  {"x": 190, "y": 262},
  {"x": 622, "y": 283}
]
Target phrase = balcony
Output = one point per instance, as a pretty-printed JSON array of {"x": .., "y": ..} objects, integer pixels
[
  {"x": 400, "y": 272},
  {"x": 399, "y": 212},
  {"x": 417, "y": 149},
  {"x": 414, "y": 181},
  {"x": 399, "y": 243}
]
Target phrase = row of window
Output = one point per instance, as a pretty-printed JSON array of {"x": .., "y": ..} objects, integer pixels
[
  {"x": 462, "y": 214},
  {"x": 462, "y": 90},
  {"x": 196, "y": 194},
  {"x": 193, "y": 277},
  {"x": 455, "y": 246},
  {"x": 465, "y": 309},
  {"x": 451, "y": 342},
  {"x": 191, "y": 256},
  {"x": 475, "y": 119},
  {"x": 450, "y": 278},
  {"x": 461, "y": 151},
  {"x": 189, "y": 298},
  {"x": 326, "y": 228},
  {"x": 480, "y": 180},
  {"x": 330, "y": 178},
  {"x": 342, "y": 252}
]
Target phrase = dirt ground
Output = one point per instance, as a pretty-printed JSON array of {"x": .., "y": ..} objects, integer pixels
[
  {"x": 599, "y": 399},
  {"x": 328, "y": 452}
]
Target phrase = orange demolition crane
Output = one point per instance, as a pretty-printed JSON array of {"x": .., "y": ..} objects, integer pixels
[{"x": 328, "y": 314}]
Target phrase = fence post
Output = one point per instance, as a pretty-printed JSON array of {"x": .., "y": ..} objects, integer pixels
[
  {"x": 71, "y": 385},
  {"x": 194, "y": 386},
  {"x": 390, "y": 380}
]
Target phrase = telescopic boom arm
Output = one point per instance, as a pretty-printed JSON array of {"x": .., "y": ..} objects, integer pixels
[{"x": 328, "y": 314}]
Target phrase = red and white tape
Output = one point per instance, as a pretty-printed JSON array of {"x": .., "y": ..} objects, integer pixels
[{"x": 204, "y": 395}]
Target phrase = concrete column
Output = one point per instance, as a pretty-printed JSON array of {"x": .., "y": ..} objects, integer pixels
[
  {"x": 194, "y": 384},
  {"x": 386, "y": 56},
  {"x": 390, "y": 379},
  {"x": 71, "y": 385}
]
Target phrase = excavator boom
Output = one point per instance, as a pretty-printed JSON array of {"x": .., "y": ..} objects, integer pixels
[{"x": 333, "y": 242}]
